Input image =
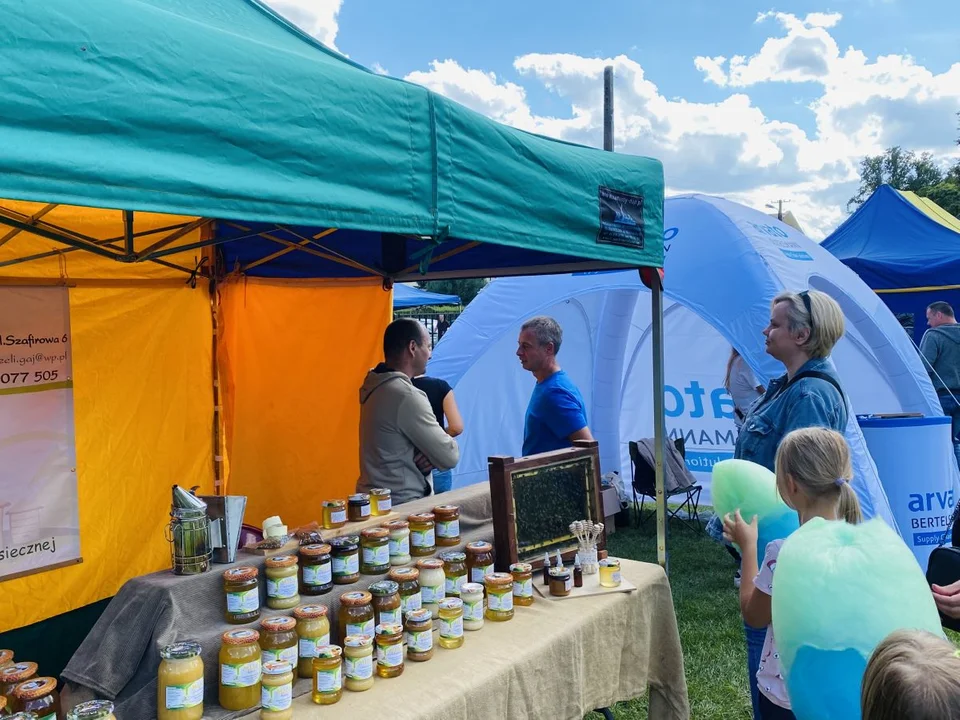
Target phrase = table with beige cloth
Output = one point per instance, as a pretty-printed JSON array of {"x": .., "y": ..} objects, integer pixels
[{"x": 553, "y": 660}]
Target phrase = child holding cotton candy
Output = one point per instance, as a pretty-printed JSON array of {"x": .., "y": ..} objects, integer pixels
[{"x": 813, "y": 474}]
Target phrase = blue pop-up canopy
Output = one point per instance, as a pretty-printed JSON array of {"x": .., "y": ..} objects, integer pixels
[
  {"x": 407, "y": 296},
  {"x": 906, "y": 248}
]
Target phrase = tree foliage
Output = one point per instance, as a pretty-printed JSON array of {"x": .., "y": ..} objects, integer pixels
[{"x": 466, "y": 289}]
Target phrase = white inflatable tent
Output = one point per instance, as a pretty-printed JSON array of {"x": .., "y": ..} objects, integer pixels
[{"x": 724, "y": 264}]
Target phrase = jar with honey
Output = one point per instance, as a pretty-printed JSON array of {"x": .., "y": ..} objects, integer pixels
[
  {"x": 93, "y": 710},
  {"x": 13, "y": 675},
  {"x": 479, "y": 560},
  {"x": 522, "y": 583},
  {"x": 356, "y": 614},
  {"x": 499, "y": 588},
  {"x": 240, "y": 666},
  {"x": 333, "y": 514},
  {"x": 276, "y": 695},
  {"x": 279, "y": 641},
  {"x": 316, "y": 569},
  {"x": 313, "y": 632},
  {"x": 283, "y": 589},
  {"x": 358, "y": 507},
  {"x": 386, "y": 602},
  {"x": 381, "y": 501},
  {"x": 399, "y": 541},
  {"x": 180, "y": 682},
  {"x": 432, "y": 583},
  {"x": 455, "y": 570},
  {"x": 408, "y": 580},
  {"x": 358, "y": 662},
  {"x": 447, "y": 519},
  {"x": 346, "y": 559},
  {"x": 389, "y": 650},
  {"x": 242, "y": 589},
  {"x": 423, "y": 540},
  {"x": 40, "y": 697},
  {"x": 327, "y": 675},
  {"x": 375, "y": 551},
  {"x": 418, "y": 627}
]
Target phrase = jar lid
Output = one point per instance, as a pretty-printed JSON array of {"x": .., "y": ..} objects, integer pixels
[
  {"x": 498, "y": 578},
  {"x": 405, "y": 574},
  {"x": 315, "y": 550},
  {"x": 345, "y": 542},
  {"x": 355, "y": 598},
  {"x": 421, "y": 518},
  {"x": 384, "y": 588},
  {"x": 92, "y": 710},
  {"x": 240, "y": 574},
  {"x": 18, "y": 672},
  {"x": 279, "y": 561},
  {"x": 521, "y": 568},
  {"x": 33, "y": 689},
  {"x": 375, "y": 533},
  {"x": 277, "y": 667},
  {"x": 419, "y": 616},
  {"x": 451, "y": 603},
  {"x": 333, "y": 503},
  {"x": 306, "y": 612},
  {"x": 454, "y": 556},
  {"x": 278, "y": 624},
  {"x": 470, "y": 588},
  {"x": 357, "y": 641},
  {"x": 609, "y": 562},
  {"x": 381, "y": 492},
  {"x": 396, "y": 525},
  {"x": 240, "y": 637},
  {"x": 557, "y": 572},
  {"x": 430, "y": 564},
  {"x": 6, "y": 656},
  {"x": 23, "y": 716},
  {"x": 361, "y": 498},
  {"x": 479, "y": 546},
  {"x": 329, "y": 652},
  {"x": 181, "y": 650},
  {"x": 446, "y": 509},
  {"x": 389, "y": 629}
]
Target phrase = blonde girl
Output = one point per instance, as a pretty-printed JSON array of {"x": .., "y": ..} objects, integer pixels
[{"x": 813, "y": 477}]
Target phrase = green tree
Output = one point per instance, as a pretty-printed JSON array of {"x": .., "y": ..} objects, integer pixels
[
  {"x": 899, "y": 168},
  {"x": 945, "y": 194},
  {"x": 466, "y": 289}
]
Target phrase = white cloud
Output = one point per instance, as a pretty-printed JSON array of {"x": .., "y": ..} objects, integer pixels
[
  {"x": 316, "y": 17},
  {"x": 732, "y": 147},
  {"x": 379, "y": 69}
]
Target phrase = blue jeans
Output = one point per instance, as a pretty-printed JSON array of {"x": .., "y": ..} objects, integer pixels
[
  {"x": 442, "y": 481},
  {"x": 755, "y": 638},
  {"x": 951, "y": 409}
]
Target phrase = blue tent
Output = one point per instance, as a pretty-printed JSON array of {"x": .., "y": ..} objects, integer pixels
[
  {"x": 407, "y": 296},
  {"x": 724, "y": 265},
  {"x": 906, "y": 248}
]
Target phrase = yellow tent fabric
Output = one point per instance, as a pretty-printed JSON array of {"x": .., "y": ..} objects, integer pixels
[
  {"x": 293, "y": 355},
  {"x": 929, "y": 208}
]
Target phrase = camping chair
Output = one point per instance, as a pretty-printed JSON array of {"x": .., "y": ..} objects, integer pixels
[{"x": 678, "y": 482}]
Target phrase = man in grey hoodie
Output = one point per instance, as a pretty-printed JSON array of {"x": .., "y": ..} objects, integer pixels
[
  {"x": 401, "y": 441},
  {"x": 940, "y": 347}
]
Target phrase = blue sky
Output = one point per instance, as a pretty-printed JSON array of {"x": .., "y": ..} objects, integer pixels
[{"x": 748, "y": 100}]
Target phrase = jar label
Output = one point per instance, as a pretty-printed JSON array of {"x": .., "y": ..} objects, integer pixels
[
  {"x": 616, "y": 577},
  {"x": 285, "y": 655},
  {"x": 384, "y": 505},
  {"x": 243, "y": 602},
  {"x": 364, "y": 628},
  {"x": 423, "y": 538},
  {"x": 479, "y": 572},
  {"x": 420, "y": 641},
  {"x": 338, "y": 516},
  {"x": 473, "y": 610},
  {"x": 329, "y": 681},
  {"x": 411, "y": 602},
  {"x": 180, "y": 697},
  {"x": 431, "y": 593},
  {"x": 390, "y": 656},
  {"x": 523, "y": 589},
  {"x": 317, "y": 574},
  {"x": 283, "y": 588},
  {"x": 243, "y": 675},
  {"x": 365, "y": 510},
  {"x": 391, "y": 617},
  {"x": 309, "y": 647},
  {"x": 358, "y": 668},
  {"x": 401, "y": 547},
  {"x": 346, "y": 565},
  {"x": 448, "y": 528},
  {"x": 454, "y": 583},
  {"x": 377, "y": 555},
  {"x": 500, "y": 601},
  {"x": 567, "y": 584},
  {"x": 277, "y": 698},
  {"x": 451, "y": 628}
]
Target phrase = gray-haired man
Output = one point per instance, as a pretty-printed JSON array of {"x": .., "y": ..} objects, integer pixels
[{"x": 941, "y": 349}]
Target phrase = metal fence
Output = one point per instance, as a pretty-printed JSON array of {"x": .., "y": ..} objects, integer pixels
[{"x": 430, "y": 319}]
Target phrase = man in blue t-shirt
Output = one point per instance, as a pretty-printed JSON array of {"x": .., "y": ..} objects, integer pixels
[{"x": 556, "y": 415}]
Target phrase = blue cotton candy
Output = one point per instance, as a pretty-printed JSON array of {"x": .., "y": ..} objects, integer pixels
[
  {"x": 752, "y": 489},
  {"x": 838, "y": 591}
]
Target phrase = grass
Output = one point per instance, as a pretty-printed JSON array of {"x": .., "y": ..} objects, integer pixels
[{"x": 708, "y": 616}]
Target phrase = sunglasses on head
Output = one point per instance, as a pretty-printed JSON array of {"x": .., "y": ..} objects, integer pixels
[{"x": 805, "y": 296}]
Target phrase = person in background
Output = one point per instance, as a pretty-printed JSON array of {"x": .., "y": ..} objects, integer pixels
[
  {"x": 444, "y": 405},
  {"x": 556, "y": 415},
  {"x": 940, "y": 347},
  {"x": 803, "y": 329},
  {"x": 912, "y": 675},
  {"x": 401, "y": 441},
  {"x": 813, "y": 477},
  {"x": 742, "y": 385},
  {"x": 442, "y": 326}
]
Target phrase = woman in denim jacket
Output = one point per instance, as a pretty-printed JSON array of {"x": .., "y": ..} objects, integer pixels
[{"x": 803, "y": 329}]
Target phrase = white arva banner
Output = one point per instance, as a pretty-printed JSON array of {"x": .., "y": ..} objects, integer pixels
[{"x": 39, "y": 522}]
